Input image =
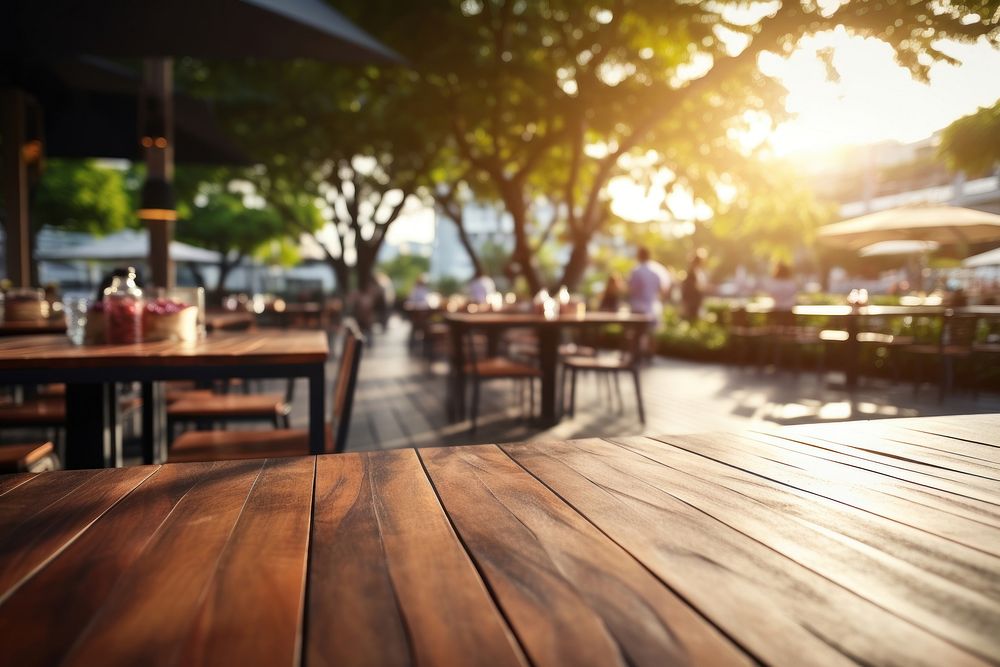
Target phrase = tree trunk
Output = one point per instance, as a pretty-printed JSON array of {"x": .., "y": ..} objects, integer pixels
[
  {"x": 341, "y": 274},
  {"x": 513, "y": 196},
  {"x": 463, "y": 237},
  {"x": 579, "y": 259}
]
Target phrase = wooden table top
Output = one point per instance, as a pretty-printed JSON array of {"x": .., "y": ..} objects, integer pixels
[
  {"x": 220, "y": 349},
  {"x": 49, "y": 326},
  {"x": 532, "y": 319},
  {"x": 860, "y": 542}
]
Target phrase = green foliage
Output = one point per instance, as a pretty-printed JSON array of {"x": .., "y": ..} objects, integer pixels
[
  {"x": 404, "y": 271},
  {"x": 972, "y": 143},
  {"x": 84, "y": 196}
]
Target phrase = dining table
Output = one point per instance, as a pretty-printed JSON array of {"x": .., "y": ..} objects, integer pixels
[
  {"x": 92, "y": 374},
  {"x": 856, "y": 543},
  {"x": 851, "y": 321},
  {"x": 548, "y": 331},
  {"x": 54, "y": 325}
]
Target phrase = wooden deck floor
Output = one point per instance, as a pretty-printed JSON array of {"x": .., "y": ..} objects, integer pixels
[{"x": 400, "y": 402}]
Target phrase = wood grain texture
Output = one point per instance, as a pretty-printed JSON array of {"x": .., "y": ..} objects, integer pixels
[
  {"x": 572, "y": 596},
  {"x": 149, "y": 615},
  {"x": 850, "y": 486},
  {"x": 446, "y": 610},
  {"x": 261, "y": 577},
  {"x": 9, "y": 482},
  {"x": 43, "y": 618},
  {"x": 724, "y": 572},
  {"x": 44, "y": 533},
  {"x": 937, "y": 604},
  {"x": 223, "y": 349}
]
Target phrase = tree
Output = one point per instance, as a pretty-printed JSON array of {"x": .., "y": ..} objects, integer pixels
[
  {"x": 405, "y": 270},
  {"x": 972, "y": 143},
  {"x": 546, "y": 98}
]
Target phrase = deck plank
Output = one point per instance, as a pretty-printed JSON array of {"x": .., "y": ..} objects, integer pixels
[
  {"x": 383, "y": 501},
  {"x": 149, "y": 615},
  {"x": 43, "y": 617},
  {"x": 722, "y": 571},
  {"x": 46, "y": 532},
  {"x": 908, "y": 591},
  {"x": 261, "y": 577},
  {"x": 572, "y": 596}
]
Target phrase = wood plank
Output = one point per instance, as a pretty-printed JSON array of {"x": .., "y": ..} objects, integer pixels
[
  {"x": 863, "y": 454},
  {"x": 966, "y": 566},
  {"x": 983, "y": 514},
  {"x": 253, "y": 610},
  {"x": 26, "y": 500},
  {"x": 149, "y": 614},
  {"x": 846, "y": 488},
  {"x": 571, "y": 595},
  {"x": 352, "y": 615},
  {"x": 45, "y": 533},
  {"x": 43, "y": 618},
  {"x": 447, "y": 612},
  {"x": 971, "y": 428},
  {"x": 13, "y": 480},
  {"x": 919, "y": 446},
  {"x": 749, "y": 591},
  {"x": 937, "y": 604}
]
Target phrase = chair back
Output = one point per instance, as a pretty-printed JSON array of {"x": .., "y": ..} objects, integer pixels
[
  {"x": 343, "y": 390},
  {"x": 959, "y": 330}
]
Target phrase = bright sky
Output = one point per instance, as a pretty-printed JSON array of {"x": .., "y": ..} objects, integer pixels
[{"x": 876, "y": 99}]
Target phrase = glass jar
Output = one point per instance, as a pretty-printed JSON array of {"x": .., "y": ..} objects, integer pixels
[{"x": 123, "y": 307}]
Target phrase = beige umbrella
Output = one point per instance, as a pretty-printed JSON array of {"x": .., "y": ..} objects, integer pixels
[{"x": 943, "y": 224}]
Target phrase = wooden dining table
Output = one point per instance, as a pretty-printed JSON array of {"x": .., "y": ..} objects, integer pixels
[
  {"x": 549, "y": 332},
  {"x": 870, "y": 543},
  {"x": 93, "y": 372}
]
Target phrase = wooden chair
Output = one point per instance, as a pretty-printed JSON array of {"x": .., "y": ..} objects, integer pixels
[
  {"x": 626, "y": 360},
  {"x": 33, "y": 457},
  {"x": 224, "y": 445},
  {"x": 747, "y": 339},
  {"x": 202, "y": 406},
  {"x": 481, "y": 368},
  {"x": 958, "y": 333}
]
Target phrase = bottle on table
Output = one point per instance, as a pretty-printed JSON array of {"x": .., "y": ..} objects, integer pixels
[{"x": 123, "y": 308}]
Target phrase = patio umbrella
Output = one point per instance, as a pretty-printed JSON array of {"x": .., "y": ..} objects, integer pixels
[
  {"x": 90, "y": 110},
  {"x": 920, "y": 222},
  {"x": 988, "y": 258},
  {"x": 129, "y": 245},
  {"x": 899, "y": 248},
  {"x": 158, "y": 30}
]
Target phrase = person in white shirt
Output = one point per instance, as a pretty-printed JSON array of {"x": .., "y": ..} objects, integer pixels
[
  {"x": 480, "y": 288},
  {"x": 419, "y": 294},
  {"x": 648, "y": 284}
]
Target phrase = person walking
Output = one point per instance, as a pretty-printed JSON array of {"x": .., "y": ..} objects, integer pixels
[
  {"x": 648, "y": 284},
  {"x": 693, "y": 286}
]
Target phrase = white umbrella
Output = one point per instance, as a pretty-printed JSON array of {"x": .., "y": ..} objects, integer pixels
[
  {"x": 988, "y": 258},
  {"x": 920, "y": 222},
  {"x": 129, "y": 246},
  {"x": 893, "y": 248}
]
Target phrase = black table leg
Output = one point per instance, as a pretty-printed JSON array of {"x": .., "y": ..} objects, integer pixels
[
  {"x": 317, "y": 410},
  {"x": 548, "y": 354},
  {"x": 456, "y": 402},
  {"x": 93, "y": 431},
  {"x": 154, "y": 422}
]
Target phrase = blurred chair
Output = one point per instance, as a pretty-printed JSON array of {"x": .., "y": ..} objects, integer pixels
[
  {"x": 626, "y": 360},
  {"x": 202, "y": 407},
  {"x": 224, "y": 445},
  {"x": 32, "y": 457},
  {"x": 748, "y": 339},
  {"x": 480, "y": 367}
]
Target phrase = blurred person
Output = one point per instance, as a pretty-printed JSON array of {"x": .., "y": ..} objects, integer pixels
[
  {"x": 480, "y": 288},
  {"x": 782, "y": 288},
  {"x": 384, "y": 297},
  {"x": 611, "y": 297},
  {"x": 648, "y": 284},
  {"x": 693, "y": 286},
  {"x": 418, "y": 297}
]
